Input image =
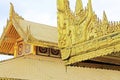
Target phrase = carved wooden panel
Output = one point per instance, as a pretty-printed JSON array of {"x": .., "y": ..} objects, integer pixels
[
  {"x": 27, "y": 48},
  {"x": 43, "y": 51},
  {"x": 55, "y": 53},
  {"x": 20, "y": 49},
  {"x": 48, "y": 52}
]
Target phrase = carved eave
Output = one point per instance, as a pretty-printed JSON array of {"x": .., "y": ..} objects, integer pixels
[{"x": 103, "y": 46}]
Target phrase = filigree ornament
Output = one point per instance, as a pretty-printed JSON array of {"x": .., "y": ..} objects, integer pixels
[{"x": 81, "y": 26}]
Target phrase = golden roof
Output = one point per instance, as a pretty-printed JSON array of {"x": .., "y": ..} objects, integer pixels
[
  {"x": 72, "y": 48},
  {"x": 30, "y": 32},
  {"x": 82, "y": 35},
  {"x": 46, "y": 68},
  {"x": 34, "y": 32},
  {"x": 40, "y": 31}
]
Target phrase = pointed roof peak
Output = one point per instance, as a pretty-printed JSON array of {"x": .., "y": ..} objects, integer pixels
[
  {"x": 11, "y": 4},
  {"x": 12, "y": 13},
  {"x": 79, "y": 6},
  {"x": 11, "y": 10},
  {"x": 104, "y": 13},
  {"x": 105, "y": 17},
  {"x": 90, "y": 6}
]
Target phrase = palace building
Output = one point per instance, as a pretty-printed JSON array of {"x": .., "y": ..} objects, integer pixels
[{"x": 81, "y": 47}]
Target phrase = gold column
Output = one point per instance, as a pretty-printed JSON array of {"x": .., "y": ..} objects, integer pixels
[
  {"x": 33, "y": 49},
  {"x": 15, "y": 49}
]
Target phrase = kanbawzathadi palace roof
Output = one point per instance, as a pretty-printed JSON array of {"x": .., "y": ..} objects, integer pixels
[{"x": 81, "y": 47}]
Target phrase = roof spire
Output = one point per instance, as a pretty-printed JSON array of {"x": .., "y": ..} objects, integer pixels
[
  {"x": 11, "y": 11},
  {"x": 78, "y": 7},
  {"x": 105, "y": 20},
  {"x": 90, "y": 7},
  {"x": 62, "y": 4}
]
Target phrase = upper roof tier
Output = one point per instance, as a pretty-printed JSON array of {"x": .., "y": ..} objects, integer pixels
[{"x": 30, "y": 32}]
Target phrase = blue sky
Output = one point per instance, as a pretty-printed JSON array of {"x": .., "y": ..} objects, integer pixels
[{"x": 44, "y": 11}]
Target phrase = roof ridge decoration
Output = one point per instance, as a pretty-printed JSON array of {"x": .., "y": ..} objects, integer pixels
[
  {"x": 28, "y": 32},
  {"x": 14, "y": 19},
  {"x": 84, "y": 27},
  {"x": 78, "y": 7},
  {"x": 13, "y": 14}
]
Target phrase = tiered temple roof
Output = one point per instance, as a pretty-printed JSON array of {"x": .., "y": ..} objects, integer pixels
[
  {"x": 83, "y": 39},
  {"x": 31, "y": 32}
]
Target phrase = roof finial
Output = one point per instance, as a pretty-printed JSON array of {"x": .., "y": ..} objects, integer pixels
[
  {"x": 62, "y": 5},
  {"x": 78, "y": 7},
  {"x": 105, "y": 20},
  {"x": 11, "y": 11},
  {"x": 90, "y": 6}
]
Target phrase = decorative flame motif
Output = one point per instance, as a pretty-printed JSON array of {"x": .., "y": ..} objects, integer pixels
[{"x": 80, "y": 26}]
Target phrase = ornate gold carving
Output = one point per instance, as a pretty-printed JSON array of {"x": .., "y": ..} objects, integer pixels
[
  {"x": 83, "y": 32},
  {"x": 20, "y": 49},
  {"x": 27, "y": 48},
  {"x": 13, "y": 13}
]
